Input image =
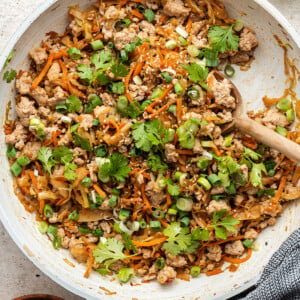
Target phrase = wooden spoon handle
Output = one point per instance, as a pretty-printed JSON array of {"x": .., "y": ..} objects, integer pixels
[{"x": 269, "y": 137}]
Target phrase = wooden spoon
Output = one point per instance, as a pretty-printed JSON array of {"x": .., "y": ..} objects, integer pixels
[{"x": 262, "y": 133}]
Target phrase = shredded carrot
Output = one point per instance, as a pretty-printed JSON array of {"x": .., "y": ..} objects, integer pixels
[
  {"x": 175, "y": 139},
  {"x": 60, "y": 201},
  {"x": 163, "y": 223},
  {"x": 146, "y": 175},
  {"x": 149, "y": 243},
  {"x": 229, "y": 21},
  {"x": 163, "y": 108},
  {"x": 135, "y": 257},
  {"x": 138, "y": 68},
  {"x": 161, "y": 19},
  {"x": 296, "y": 175},
  {"x": 149, "y": 108},
  {"x": 166, "y": 92},
  {"x": 147, "y": 205},
  {"x": 107, "y": 291},
  {"x": 137, "y": 266},
  {"x": 38, "y": 167},
  {"x": 54, "y": 138},
  {"x": 189, "y": 25},
  {"x": 75, "y": 91},
  {"x": 68, "y": 262},
  {"x": 214, "y": 272},
  {"x": 238, "y": 260},
  {"x": 42, "y": 205},
  {"x": 234, "y": 238},
  {"x": 169, "y": 200},
  {"x": 90, "y": 262},
  {"x": 137, "y": 14},
  {"x": 217, "y": 152},
  {"x": 250, "y": 145},
  {"x": 115, "y": 125},
  {"x": 64, "y": 69},
  {"x": 185, "y": 152},
  {"x": 179, "y": 110},
  {"x": 47, "y": 142},
  {"x": 33, "y": 178},
  {"x": 99, "y": 191},
  {"x": 274, "y": 202}
]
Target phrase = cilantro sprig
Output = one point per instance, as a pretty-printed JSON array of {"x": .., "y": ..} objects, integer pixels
[{"x": 197, "y": 73}]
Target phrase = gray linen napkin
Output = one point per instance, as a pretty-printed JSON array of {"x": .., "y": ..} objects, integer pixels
[{"x": 281, "y": 277}]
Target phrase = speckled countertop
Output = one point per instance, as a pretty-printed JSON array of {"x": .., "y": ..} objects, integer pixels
[{"x": 18, "y": 275}]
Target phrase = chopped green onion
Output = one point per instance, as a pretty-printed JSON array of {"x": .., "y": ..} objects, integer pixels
[
  {"x": 149, "y": 15},
  {"x": 218, "y": 197},
  {"x": 166, "y": 76},
  {"x": 84, "y": 229},
  {"x": 182, "y": 41},
  {"x": 158, "y": 214},
  {"x": 238, "y": 25},
  {"x": 185, "y": 221},
  {"x": 193, "y": 93},
  {"x": 202, "y": 163},
  {"x": 229, "y": 71},
  {"x": 172, "y": 211},
  {"x": 124, "y": 214},
  {"x": 137, "y": 41},
  {"x": 125, "y": 274},
  {"x": 193, "y": 50},
  {"x": 195, "y": 271},
  {"x": 157, "y": 92},
  {"x": 96, "y": 122},
  {"x": 43, "y": 227},
  {"x": 178, "y": 89},
  {"x": 97, "y": 45},
  {"x": 238, "y": 178},
  {"x": 204, "y": 183},
  {"x": 122, "y": 104},
  {"x": 86, "y": 181},
  {"x": 48, "y": 211},
  {"x": 11, "y": 151},
  {"x": 73, "y": 215},
  {"x": 160, "y": 263},
  {"x": 284, "y": 105},
  {"x": 98, "y": 232},
  {"x": 271, "y": 173},
  {"x": 74, "y": 53},
  {"x": 110, "y": 45},
  {"x": 112, "y": 201},
  {"x": 171, "y": 44},
  {"x": 61, "y": 108},
  {"x": 52, "y": 230},
  {"x": 228, "y": 141},
  {"x": 290, "y": 115},
  {"x": 130, "y": 48},
  {"x": 137, "y": 80},
  {"x": 155, "y": 225},
  {"x": 281, "y": 130},
  {"x": 94, "y": 101},
  {"x": 171, "y": 132},
  {"x": 141, "y": 8},
  {"x": 211, "y": 57},
  {"x": 56, "y": 243},
  {"x": 115, "y": 191},
  {"x": 123, "y": 55},
  {"x": 214, "y": 179},
  {"x": 248, "y": 243},
  {"x": 172, "y": 109},
  {"x": 117, "y": 227},
  {"x": 143, "y": 224},
  {"x": 16, "y": 169},
  {"x": 208, "y": 144},
  {"x": 177, "y": 175},
  {"x": 184, "y": 204},
  {"x": 124, "y": 23},
  {"x": 230, "y": 189}
]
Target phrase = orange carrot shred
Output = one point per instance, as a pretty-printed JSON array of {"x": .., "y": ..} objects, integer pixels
[
  {"x": 189, "y": 25},
  {"x": 238, "y": 260},
  {"x": 163, "y": 108},
  {"x": 147, "y": 205},
  {"x": 138, "y": 68},
  {"x": 99, "y": 190},
  {"x": 185, "y": 152},
  {"x": 149, "y": 243},
  {"x": 179, "y": 110},
  {"x": 214, "y": 272},
  {"x": 137, "y": 14}
]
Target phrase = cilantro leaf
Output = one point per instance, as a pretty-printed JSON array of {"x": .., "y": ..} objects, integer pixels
[
  {"x": 117, "y": 168},
  {"x": 149, "y": 135},
  {"x": 9, "y": 58},
  {"x": 63, "y": 153},
  {"x": 149, "y": 15},
  {"x": 70, "y": 175},
  {"x": 197, "y": 72},
  {"x": 45, "y": 156},
  {"x": 119, "y": 70},
  {"x": 251, "y": 154},
  {"x": 248, "y": 243},
  {"x": 220, "y": 233},
  {"x": 193, "y": 246},
  {"x": 173, "y": 189},
  {"x": 85, "y": 73},
  {"x": 9, "y": 76},
  {"x": 128, "y": 242},
  {"x": 109, "y": 252},
  {"x": 102, "y": 78},
  {"x": 73, "y": 103},
  {"x": 256, "y": 174},
  {"x": 118, "y": 87},
  {"x": 223, "y": 38},
  {"x": 101, "y": 60},
  {"x": 154, "y": 162},
  {"x": 82, "y": 142},
  {"x": 200, "y": 234},
  {"x": 179, "y": 239},
  {"x": 226, "y": 167}
]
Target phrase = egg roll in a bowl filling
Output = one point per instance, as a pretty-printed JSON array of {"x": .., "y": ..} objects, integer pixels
[{"x": 122, "y": 144}]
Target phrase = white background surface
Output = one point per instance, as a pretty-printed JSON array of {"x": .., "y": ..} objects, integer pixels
[{"x": 18, "y": 275}]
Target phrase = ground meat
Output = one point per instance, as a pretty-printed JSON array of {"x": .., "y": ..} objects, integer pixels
[
  {"x": 79, "y": 252},
  {"x": 175, "y": 8},
  {"x": 59, "y": 97},
  {"x": 40, "y": 96},
  {"x": 31, "y": 149},
  {"x": 108, "y": 99},
  {"x": 151, "y": 274},
  {"x": 225, "y": 115},
  {"x": 76, "y": 29},
  {"x": 170, "y": 153},
  {"x": 178, "y": 261},
  {"x": 138, "y": 91},
  {"x": 17, "y": 137},
  {"x": 238, "y": 146},
  {"x": 166, "y": 274},
  {"x": 92, "y": 167},
  {"x": 199, "y": 41},
  {"x": 274, "y": 118},
  {"x": 240, "y": 57},
  {"x": 86, "y": 122},
  {"x": 196, "y": 27},
  {"x": 215, "y": 206},
  {"x": 197, "y": 147},
  {"x": 39, "y": 55},
  {"x": 235, "y": 248},
  {"x": 25, "y": 110},
  {"x": 152, "y": 4},
  {"x": 124, "y": 37},
  {"x": 192, "y": 115},
  {"x": 146, "y": 253},
  {"x": 23, "y": 84},
  {"x": 54, "y": 71},
  {"x": 214, "y": 253},
  {"x": 147, "y": 29},
  {"x": 248, "y": 40},
  {"x": 217, "y": 190},
  {"x": 65, "y": 242},
  {"x": 105, "y": 226},
  {"x": 266, "y": 223},
  {"x": 114, "y": 13},
  {"x": 222, "y": 91},
  {"x": 211, "y": 129},
  {"x": 251, "y": 234},
  {"x": 65, "y": 139},
  {"x": 117, "y": 266},
  {"x": 244, "y": 170},
  {"x": 239, "y": 199},
  {"x": 155, "y": 193}
]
